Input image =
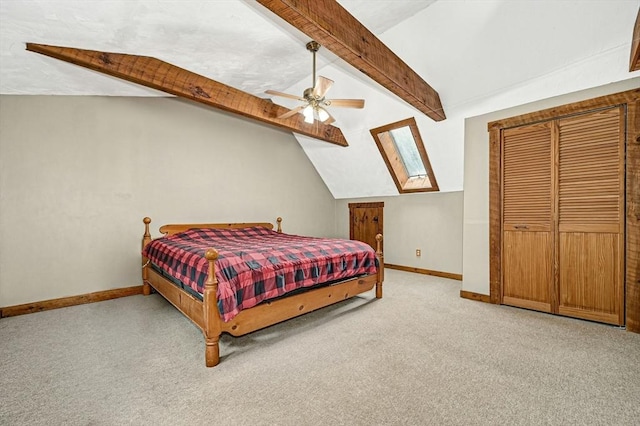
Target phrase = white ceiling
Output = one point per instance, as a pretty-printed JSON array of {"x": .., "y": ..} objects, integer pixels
[{"x": 237, "y": 42}]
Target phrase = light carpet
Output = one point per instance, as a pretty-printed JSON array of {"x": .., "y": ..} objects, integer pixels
[{"x": 419, "y": 356}]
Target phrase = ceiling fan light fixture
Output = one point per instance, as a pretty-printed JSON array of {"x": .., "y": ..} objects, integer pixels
[
  {"x": 323, "y": 115},
  {"x": 308, "y": 114}
]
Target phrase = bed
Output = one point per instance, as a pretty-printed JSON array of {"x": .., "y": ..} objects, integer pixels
[{"x": 237, "y": 278}]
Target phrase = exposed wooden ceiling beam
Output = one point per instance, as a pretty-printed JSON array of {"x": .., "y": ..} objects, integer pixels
[
  {"x": 160, "y": 75},
  {"x": 331, "y": 25},
  {"x": 634, "y": 63}
]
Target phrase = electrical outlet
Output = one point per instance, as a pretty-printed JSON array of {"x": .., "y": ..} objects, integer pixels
[{"x": 418, "y": 252}]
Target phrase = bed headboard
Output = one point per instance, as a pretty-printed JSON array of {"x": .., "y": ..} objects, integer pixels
[{"x": 175, "y": 228}]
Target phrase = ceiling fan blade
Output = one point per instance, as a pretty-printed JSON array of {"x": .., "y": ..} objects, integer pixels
[
  {"x": 284, "y": 95},
  {"x": 292, "y": 112},
  {"x": 322, "y": 86},
  {"x": 346, "y": 103}
]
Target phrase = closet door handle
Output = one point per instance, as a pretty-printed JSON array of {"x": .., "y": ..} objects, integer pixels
[{"x": 521, "y": 226}]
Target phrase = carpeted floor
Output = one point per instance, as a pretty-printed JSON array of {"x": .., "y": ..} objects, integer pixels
[{"x": 420, "y": 356}]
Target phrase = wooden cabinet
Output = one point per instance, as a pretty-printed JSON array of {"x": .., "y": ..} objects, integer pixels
[{"x": 563, "y": 215}]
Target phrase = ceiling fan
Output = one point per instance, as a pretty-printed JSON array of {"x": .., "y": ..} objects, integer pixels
[{"x": 315, "y": 103}]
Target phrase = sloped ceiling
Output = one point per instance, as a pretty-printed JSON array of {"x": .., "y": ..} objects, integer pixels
[
  {"x": 236, "y": 42},
  {"x": 480, "y": 55}
]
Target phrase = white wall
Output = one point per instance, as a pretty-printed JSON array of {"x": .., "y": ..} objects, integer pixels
[
  {"x": 476, "y": 187},
  {"x": 429, "y": 222},
  {"x": 78, "y": 174}
]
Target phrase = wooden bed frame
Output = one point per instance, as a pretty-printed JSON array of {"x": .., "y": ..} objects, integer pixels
[{"x": 204, "y": 313}]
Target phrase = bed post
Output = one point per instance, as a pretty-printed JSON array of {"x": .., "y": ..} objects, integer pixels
[
  {"x": 212, "y": 328},
  {"x": 380, "y": 256},
  {"x": 279, "y": 220},
  {"x": 146, "y": 239}
]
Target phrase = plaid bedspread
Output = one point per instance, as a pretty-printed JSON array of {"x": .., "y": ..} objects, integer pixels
[{"x": 257, "y": 264}]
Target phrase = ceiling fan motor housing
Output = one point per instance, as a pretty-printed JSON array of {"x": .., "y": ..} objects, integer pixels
[{"x": 308, "y": 95}]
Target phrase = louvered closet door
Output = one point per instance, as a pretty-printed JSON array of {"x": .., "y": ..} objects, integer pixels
[
  {"x": 527, "y": 185},
  {"x": 591, "y": 216}
]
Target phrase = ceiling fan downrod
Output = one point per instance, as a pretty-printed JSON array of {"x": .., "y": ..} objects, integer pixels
[{"x": 313, "y": 47}]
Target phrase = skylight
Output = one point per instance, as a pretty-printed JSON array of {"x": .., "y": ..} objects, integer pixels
[
  {"x": 406, "y": 158},
  {"x": 406, "y": 146}
]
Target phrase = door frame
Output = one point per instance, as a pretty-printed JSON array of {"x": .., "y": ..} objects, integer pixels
[{"x": 631, "y": 99}]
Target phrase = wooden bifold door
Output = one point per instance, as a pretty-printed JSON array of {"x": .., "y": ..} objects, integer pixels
[{"x": 563, "y": 215}]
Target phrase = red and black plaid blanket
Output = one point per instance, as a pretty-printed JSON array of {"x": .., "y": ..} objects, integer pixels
[{"x": 257, "y": 264}]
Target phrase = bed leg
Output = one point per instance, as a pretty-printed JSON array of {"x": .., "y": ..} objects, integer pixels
[
  {"x": 212, "y": 352},
  {"x": 212, "y": 328},
  {"x": 146, "y": 288}
]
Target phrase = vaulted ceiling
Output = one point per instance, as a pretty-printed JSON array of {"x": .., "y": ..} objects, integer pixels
[
  {"x": 479, "y": 55},
  {"x": 239, "y": 43}
]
